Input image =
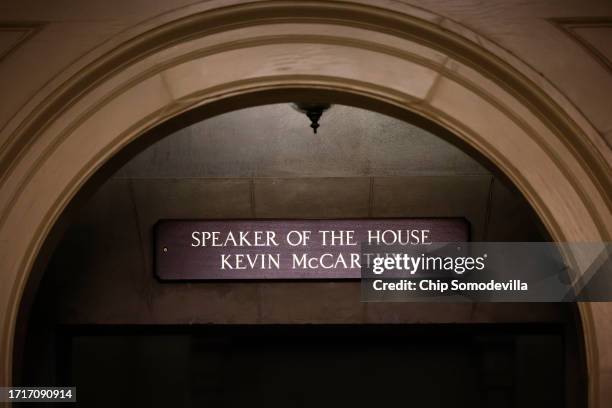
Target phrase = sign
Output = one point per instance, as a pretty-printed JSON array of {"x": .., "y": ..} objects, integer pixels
[{"x": 286, "y": 249}]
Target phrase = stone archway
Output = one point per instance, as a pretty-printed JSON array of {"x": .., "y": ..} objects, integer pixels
[{"x": 397, "y": 57}]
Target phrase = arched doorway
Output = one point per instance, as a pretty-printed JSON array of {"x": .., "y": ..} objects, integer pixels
[
  {"x": 403, "y": 60},
  {"x": 100, "y": 316}
]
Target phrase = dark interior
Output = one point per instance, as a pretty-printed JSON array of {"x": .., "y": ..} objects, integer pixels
[{"x": 322, "y": 366}]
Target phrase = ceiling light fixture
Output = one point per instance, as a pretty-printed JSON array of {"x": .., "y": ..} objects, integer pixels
[{"x": 314, "y": 111}]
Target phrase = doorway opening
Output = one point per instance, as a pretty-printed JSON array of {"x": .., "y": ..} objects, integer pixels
[{"x": 98, "y": 309}]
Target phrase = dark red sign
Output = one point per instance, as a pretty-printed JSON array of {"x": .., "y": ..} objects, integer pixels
[{"x": 286, "y": 249}]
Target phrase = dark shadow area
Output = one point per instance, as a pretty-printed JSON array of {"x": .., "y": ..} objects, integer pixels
[{"x": 322, "y": 366}]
